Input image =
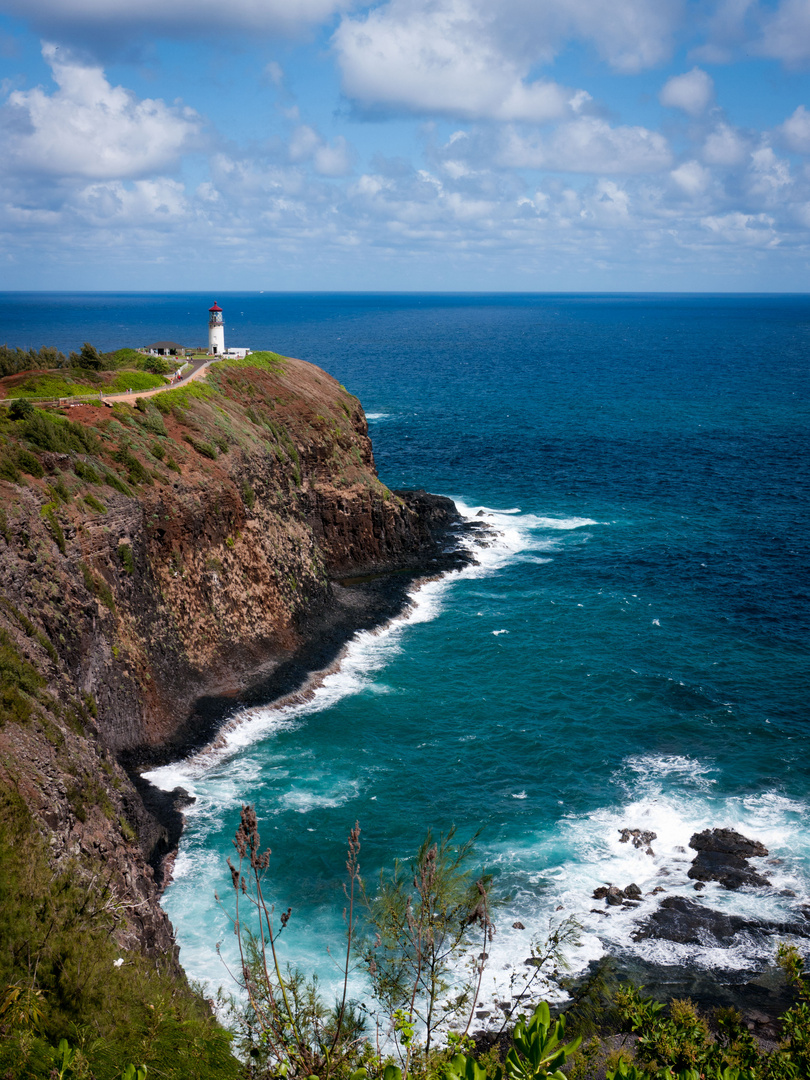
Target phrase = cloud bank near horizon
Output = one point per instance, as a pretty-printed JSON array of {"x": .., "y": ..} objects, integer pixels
[{"x": 514, "y": 144}]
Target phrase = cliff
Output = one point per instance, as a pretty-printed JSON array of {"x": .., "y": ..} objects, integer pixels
[{"x": 160, "y": 564}]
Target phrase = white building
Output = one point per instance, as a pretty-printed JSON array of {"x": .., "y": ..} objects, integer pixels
[
  {"x": 216, "y": 336},
  {"x": 216, "y": 330}
]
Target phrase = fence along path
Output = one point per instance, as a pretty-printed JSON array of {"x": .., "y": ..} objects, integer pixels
[{"x": 198, "y": 371}]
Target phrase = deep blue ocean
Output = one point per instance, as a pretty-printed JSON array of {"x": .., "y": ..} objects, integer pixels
[{"x": 630, "y": 651}]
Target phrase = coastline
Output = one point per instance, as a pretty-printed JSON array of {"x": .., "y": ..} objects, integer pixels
[{"x": 365, "y": 602}]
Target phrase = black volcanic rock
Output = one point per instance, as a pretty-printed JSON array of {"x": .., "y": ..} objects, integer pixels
[
  {"x": 689, "y": 923},
  {"x": 722, "y": 855},
  {"x": 727, "y": 841}
]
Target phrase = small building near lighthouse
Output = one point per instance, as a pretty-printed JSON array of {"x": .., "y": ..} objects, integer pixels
[{"x": 216, "y": 330}]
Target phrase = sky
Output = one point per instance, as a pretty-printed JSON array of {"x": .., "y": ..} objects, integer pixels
[{"x": 485, "y": 145}]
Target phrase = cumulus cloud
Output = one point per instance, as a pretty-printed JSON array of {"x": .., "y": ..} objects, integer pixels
[
  {"x": 439, "y": 59},
  {"x": 724, "y": 146},
  {"x": 327, "y": 160},
  {"x": 589, "y": 145},
  {"x": 474, "y": 58},
  {"x": 749, "y": 230},
  {"x": 795, "y": 131},
  {"x": 88, "y": 128},
  {"x": 691, "y": 177},
  {"x": 769, "y": 174},
  {"x": 692, "y": 92},
  {"x": 786, "y": 32},
  {"x": 159, "y": 202}
]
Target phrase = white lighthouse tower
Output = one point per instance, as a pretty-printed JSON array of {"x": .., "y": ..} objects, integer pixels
[{"x": 216, "y": 330}]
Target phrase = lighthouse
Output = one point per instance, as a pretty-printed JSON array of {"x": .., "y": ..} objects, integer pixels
[{"x": 216, "y": 330}]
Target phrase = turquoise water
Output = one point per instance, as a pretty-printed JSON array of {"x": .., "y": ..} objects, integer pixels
[{"x": 629, "y": 651}]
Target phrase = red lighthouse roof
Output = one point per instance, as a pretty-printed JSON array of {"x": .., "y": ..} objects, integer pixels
[{"x": 216, "y": 307}]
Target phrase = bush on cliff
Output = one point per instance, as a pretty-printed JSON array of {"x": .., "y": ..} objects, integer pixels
[{"x": 59, "y": 979}]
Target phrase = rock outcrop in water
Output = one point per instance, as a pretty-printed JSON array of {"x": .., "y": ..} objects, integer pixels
[
  {"x": 684, "y": 921},
  {"x": 722, "y": 855},
  {"x": 161, "y": 565}
]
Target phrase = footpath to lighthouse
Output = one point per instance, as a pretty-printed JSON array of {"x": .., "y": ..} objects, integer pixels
[{"x": 86, "y": 378}]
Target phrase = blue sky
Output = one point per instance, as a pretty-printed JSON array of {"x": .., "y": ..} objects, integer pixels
[{"x": 536, "y": 145}]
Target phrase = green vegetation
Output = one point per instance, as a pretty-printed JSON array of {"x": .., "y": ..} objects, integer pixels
[
  {"x": 263, "y": 361},
  {"x": 72, "y": 1004},
  {"x": 202, "y": 447},
  {"x": 29, "y": 463},
  {"x": 125, "y": 555},
  {"x": 98, "y": 587},
  {"x": 426, "y": 921},
  {"x": 133, "y": 380},
  {"x": 55, "y": 527},
  {"x": 50, "y": 431},
  {"x": 138, "y": 473},
  {"x": 49, "y": 385},
  {"x": 86, "y": 472},
  {"x": 14, "y": 361},
  {"x": 19, "y": 683}
]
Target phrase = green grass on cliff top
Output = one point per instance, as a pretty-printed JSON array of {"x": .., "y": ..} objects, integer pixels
[{"x": 53, "y": 385}]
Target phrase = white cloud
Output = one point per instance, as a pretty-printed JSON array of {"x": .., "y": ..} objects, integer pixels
[
  {"x": 307, "y": 145},
  {"x": 796, "y": 131},
  {"x": 88, "y": 128},
  {"x": 769, "y": 174},
  {"x": 786, "y": 32},
  {"x": 159, "y": 202},
  {"x": 749, "y": 230},
  {"x": 724, "y": 146},
  {"x": 691, "y": 177},
  {"x": 692, "y": 92},
  {"x": 474, "y": 58},
  {"x": 590, "y": 145},
  {"x": 443, "y": 59}
]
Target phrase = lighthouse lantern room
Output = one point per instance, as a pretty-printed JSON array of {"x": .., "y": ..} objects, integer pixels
[{"x": 216, "y": 330}]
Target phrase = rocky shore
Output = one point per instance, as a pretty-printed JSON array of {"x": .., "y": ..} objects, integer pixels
[
  {"x": 162, "y": 566},
  {"x": 721, "y": 856}
]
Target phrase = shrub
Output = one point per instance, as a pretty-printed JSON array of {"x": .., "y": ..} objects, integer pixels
[
  {"x": 8, "y": 470},
  {"x": 138, "y": 473},
  {"x": 158, "y": 365},
  {"x": 248, "y": 495},
  {"x": 202, "y": 447},
  {"x": 125, "y": 555},
  {"x": 98, "y": 587},
  {"x": 86, "y": 472},
  {"x": 55, "y": 527},
  {"x": 19, "y": 681},
  {"x": 69, "y": 981},
  {"x": 58, "y": 435},
  {"x": 30, "y": 463},
  {"x": 117, "y": 483},
  {"x": 59, "y": 490},
  {"x": 20, "y": 409},
  {"x": 13, "y": 361}
]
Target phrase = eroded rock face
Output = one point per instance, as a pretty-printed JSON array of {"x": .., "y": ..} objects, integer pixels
[
  {"x": 202, "y": 573},
  {"x": 723, "y": 856}
]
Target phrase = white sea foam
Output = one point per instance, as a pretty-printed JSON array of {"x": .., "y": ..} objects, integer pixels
[
  {"x": 511, "y": 534},
  {"x": 673, "y": 796},
  {"x": 226, "y": 774}
]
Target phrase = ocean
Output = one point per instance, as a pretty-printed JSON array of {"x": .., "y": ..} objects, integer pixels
[{"x": 629, "y": 651}]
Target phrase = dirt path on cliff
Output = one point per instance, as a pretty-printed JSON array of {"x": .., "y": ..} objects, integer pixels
[{"x": 198, "y": 371}]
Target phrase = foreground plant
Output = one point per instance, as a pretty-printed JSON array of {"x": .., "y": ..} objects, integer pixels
[
  {"x": 287, "y": 1022},
  {"x": 426, "y": 916}
]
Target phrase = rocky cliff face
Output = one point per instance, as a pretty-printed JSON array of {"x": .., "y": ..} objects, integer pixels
[{"x": 185, "y": 549}]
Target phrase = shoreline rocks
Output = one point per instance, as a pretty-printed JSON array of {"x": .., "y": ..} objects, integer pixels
[{"x": 722, "y": 855}]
